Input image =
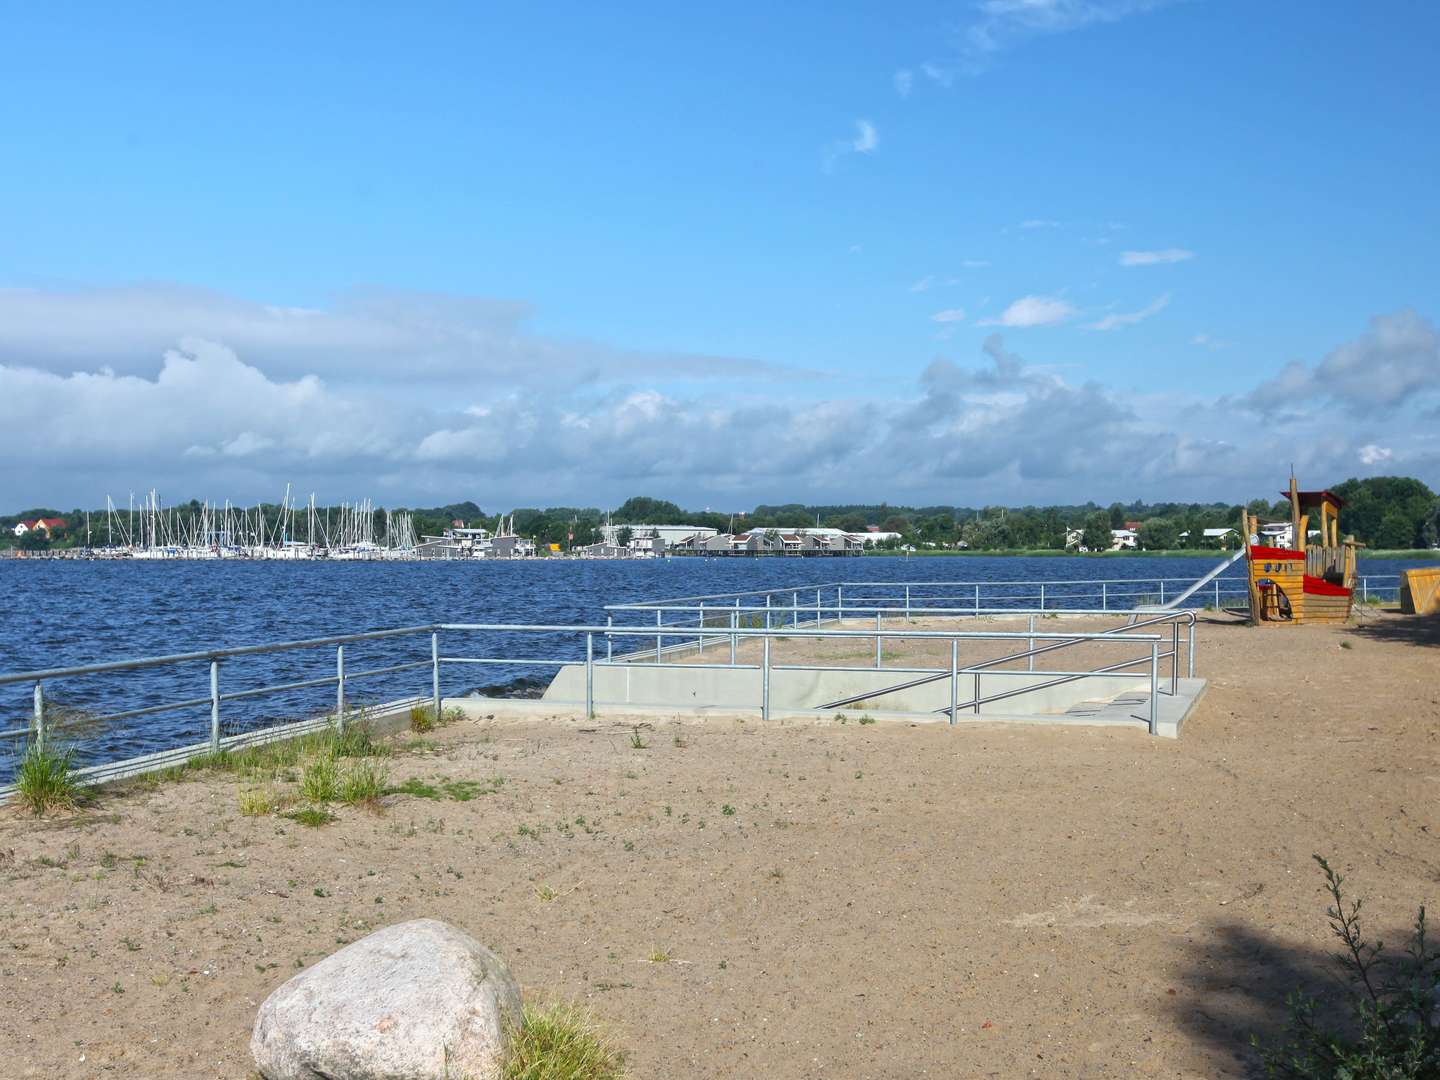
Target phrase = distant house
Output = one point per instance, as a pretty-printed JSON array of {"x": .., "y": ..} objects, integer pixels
[
  {"x": 1123, "y": 538},
  {"x": 655, "y": 539},
  {"x": 48, "y": 526}
]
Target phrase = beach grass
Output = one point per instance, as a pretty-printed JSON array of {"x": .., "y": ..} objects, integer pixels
[
  {"x": 561, "y": 1042},
  {"x": 45, "y": 780}
]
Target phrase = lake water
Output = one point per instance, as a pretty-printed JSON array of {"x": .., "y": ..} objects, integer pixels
[{"x": 64, "y": 613}]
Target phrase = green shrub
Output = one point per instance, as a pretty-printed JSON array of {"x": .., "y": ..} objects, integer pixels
[
  {"x": 1394, "y": 1032},
  {"x": 45, "y": 779},
  {"x": 422, "y": 718},
  {"x": 561, "y": 1042}
]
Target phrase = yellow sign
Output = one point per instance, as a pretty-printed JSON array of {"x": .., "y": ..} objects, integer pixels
[{"x": 555, "y": 548}]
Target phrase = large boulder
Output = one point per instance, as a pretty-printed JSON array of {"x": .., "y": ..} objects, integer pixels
[{"x": 414, "y": 1001}]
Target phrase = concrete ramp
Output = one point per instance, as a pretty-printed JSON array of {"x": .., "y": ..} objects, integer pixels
[{"x": 1093, "y": 699}]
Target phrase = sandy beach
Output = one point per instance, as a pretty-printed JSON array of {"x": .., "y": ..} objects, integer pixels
[{"x": 829, "y": 900}]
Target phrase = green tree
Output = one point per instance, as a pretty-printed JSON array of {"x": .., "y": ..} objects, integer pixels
[
  {"x": 645, "y": 511},
  {"x": 1158, "y": 534},
  {"x": 623, "y": 535},
  {"x": 1097, "y": 531},
  {"x": 1396, "y": 530}
]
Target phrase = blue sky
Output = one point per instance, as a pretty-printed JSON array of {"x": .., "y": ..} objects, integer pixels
[{"x": 993, "y": 251}]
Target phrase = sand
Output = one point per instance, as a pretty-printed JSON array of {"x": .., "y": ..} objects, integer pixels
[{"x": 851, "y": 900}]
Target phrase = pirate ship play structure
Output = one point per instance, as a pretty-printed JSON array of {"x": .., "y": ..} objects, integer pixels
[{"x": 1303, "y": 582}]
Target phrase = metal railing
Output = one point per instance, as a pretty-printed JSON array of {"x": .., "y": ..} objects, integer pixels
[
  {"x": 47, "y": 724},
  {"x": 988, "y": 597}
]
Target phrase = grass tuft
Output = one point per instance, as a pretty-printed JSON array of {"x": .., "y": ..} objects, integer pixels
[
  {"x": 45, "y": 780},
  {"x": 312, "y": 816},
  {"x": 320, "y": 782},
  {"x": 363, "y": 782},
  {"x": 258, "y": 802},
  {"x": 422, "y": 719},
  {"x": 561, "y": 1042}
]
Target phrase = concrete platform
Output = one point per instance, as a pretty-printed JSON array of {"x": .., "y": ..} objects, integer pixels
[{"x": 1124, "y": 706}]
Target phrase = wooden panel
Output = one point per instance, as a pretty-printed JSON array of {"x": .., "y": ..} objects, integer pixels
[{"x": 1420, "y": 591}]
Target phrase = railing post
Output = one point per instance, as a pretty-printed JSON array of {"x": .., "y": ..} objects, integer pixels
[
  {"x": 1217, "y": 597},
  {"x": 765, "y": 679},
  {"x": 1174, "y": 658},
  {"x": 976, "y": 702},
  {"x": 435, "y": 672},
  {"x": 340, "y": 687},
  {"x": 734, "y": 622},
  {"x": 1364, "y": 591},
  {"x": 795, "y": 609},
  {"x": 907, "y": 605},
  {"x": 1042, "y": 596},
  {"x": 977, "y": 599},
  {"x": 767, "y": 611},
  {"x": 840, "y": 604},
  {"x": 1162, "y": 590},
  {"x": 590, "y": 676},
  {"x": 659, "y": 616},
  {"x": 701, "y": 639},
  {"x": 954, "y": 678},
  {"x": 1190, "y": 650},
  {"x": 1032, "y": 643},
  {"x": 1104, "y": 597},
  {"x": 1154, "y": 687},
  {"x": 214, "y": 706},
  {"x": 40, "y": 715},
  {"x": 878, "y": 658},
  {"x": 609, "y": 639}
]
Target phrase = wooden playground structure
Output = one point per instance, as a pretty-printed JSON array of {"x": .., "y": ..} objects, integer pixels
[{"x": 1305, "y": 582}]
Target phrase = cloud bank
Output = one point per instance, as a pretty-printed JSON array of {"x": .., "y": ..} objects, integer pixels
[{"x": 208, "y": 418}]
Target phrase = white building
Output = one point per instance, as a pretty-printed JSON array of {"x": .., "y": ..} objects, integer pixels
[
  {"x": 644, "y": 536},
  {"x": 1123, "y": 538}
]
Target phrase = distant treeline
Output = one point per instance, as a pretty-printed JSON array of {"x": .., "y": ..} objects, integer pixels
[{"x": 1389, "y": 512}]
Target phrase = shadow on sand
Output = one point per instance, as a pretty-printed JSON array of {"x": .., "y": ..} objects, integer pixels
[
  {"x": 1238, "y": 984},
  {"x": 1401, "y": 629}
]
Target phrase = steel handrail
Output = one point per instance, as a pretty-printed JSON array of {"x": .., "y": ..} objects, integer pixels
[
  {"x": 974, "y": 668},
  {"x": 208, "y": 654}
]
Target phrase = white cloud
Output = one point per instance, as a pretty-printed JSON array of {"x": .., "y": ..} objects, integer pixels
[
  {"x": 924, "y": 284},
  {"x": 1117, "y": 320},
  {"x": 1004, "y": 23},
  {"x": 864, "y": 141},
  {"x": 940, "y": 76},
  {"x": 1033, "y": 311},
  {"x": 1206, "y": 341},
  {"x": 975, "y": 264},
  {"x": 904, "y": 82},
  {"x": 406, "y": 338},
  {"x": 1370, "y": 454},
  {"x": 1039, "y": 223},
  {"x": 1396, "y": 359},
  {"x": 949, "y": 315},
  {"x": 1155, "y": 258}
]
